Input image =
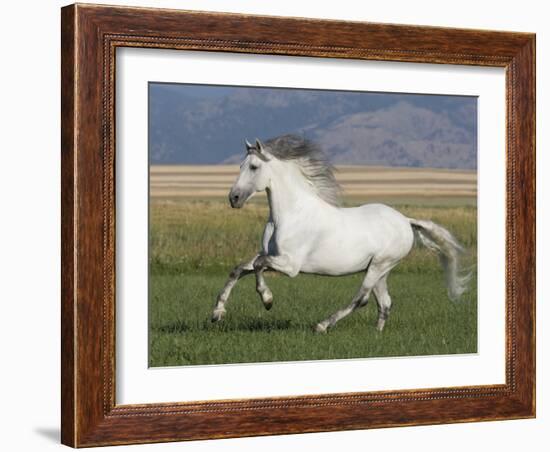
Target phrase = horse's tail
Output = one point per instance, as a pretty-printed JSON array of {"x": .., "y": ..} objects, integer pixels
[{"x": 438, "y": 239}]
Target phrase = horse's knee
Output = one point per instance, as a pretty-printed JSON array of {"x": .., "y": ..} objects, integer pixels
[{"x": 259, "y": 263}]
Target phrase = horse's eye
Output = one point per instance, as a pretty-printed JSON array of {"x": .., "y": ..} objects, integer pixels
[{"x": 253, "y": 167}]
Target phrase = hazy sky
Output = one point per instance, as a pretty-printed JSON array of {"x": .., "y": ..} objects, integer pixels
[{"x": 207, "y": 92}]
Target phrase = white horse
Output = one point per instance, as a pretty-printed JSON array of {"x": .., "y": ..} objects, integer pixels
[{"x": 307, "y": 232}]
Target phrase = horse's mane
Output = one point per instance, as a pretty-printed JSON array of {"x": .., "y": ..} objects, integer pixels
[{"x": 312, "y": 162}]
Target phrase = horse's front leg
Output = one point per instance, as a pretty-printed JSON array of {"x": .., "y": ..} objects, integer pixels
[
  {"x": 281, "y": 263},
  {"x": 237, "y": 273}
]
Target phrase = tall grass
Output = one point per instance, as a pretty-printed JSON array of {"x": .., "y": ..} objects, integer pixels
[{"x": 207, "y": 236}]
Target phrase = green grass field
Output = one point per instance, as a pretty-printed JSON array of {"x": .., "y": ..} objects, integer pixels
[{"x": 195, "y": 244}]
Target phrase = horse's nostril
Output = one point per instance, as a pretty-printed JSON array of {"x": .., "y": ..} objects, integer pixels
[{"x": 234, "y": 199}]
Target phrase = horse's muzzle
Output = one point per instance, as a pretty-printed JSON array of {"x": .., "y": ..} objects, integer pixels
[{"x": 236, "y": 199}]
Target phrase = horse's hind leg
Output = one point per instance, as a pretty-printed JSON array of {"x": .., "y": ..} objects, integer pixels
[
  {"x": 237, "y": 273},
  {"x": 361, "y": 299},
  {"x": 383, "y": 301}
]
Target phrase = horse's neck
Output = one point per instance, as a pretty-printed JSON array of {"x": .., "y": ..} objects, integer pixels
[{"x": 290, "y": 196}]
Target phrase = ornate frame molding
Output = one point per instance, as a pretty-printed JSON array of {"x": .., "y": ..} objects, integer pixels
[{"x": 90, "y": 37}]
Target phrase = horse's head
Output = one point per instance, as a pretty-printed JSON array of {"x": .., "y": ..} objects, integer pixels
[{"x": 254, "y": 176}]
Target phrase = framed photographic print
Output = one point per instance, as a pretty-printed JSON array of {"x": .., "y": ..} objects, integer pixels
[{"x": 281, "y": 225}]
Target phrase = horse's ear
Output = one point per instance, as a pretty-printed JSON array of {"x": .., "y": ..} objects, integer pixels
[
  {"x": 264, "y": 154},
  {"x": 249, "y": 147}
]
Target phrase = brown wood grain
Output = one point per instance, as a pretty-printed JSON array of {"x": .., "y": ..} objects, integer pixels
[
  {"x": 68, "y": 311},
  {"x": 90, "y": 36}
]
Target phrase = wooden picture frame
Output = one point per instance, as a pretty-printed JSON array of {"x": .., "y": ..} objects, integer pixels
[{"x": 90, "y": 36}]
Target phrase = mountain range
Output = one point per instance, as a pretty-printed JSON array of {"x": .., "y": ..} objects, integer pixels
[{"x": 190, "y": 124}]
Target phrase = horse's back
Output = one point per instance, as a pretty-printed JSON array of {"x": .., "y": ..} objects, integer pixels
[{"x": 378, "y": 214}]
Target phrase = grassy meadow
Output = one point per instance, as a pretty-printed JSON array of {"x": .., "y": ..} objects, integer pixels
[{"x": 196, "y": 239}]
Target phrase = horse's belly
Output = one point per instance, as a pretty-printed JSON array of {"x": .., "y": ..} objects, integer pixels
[
  {"x": 335, "y": 268},
  {"x": 337, "y": 260}
]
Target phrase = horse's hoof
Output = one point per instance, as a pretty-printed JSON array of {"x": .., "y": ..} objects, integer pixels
[
  {"x": 268, "y": 304},
  {"x": 267, "y": 298},
  {"x": 217, "y": 315},
  {"x": 320, "y": 328}
]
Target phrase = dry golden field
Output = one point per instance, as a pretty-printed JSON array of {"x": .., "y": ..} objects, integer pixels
[{"x": 358, "y": 183}]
